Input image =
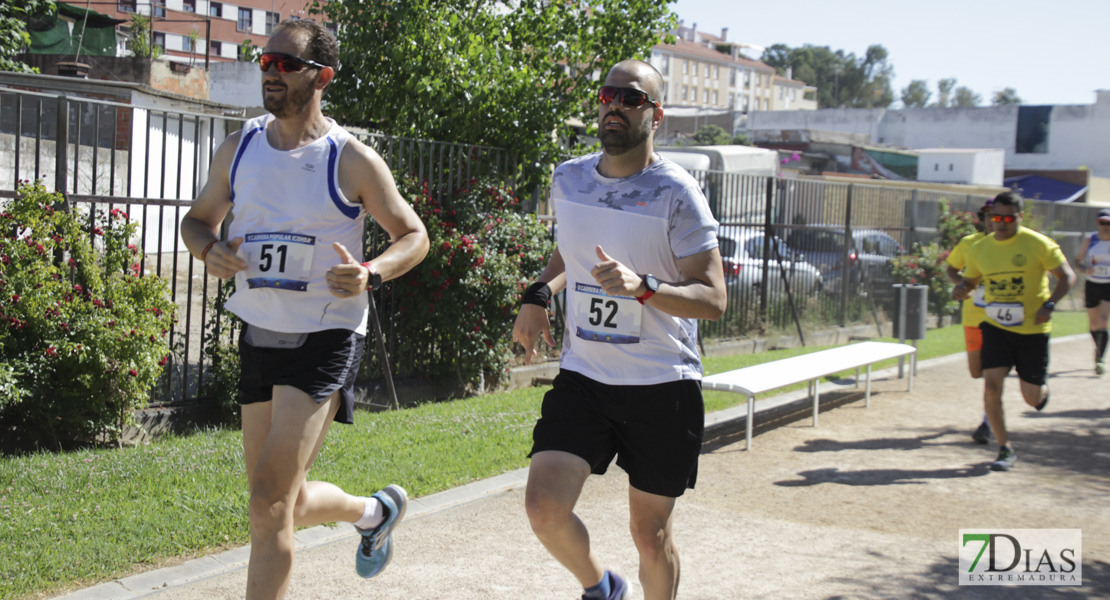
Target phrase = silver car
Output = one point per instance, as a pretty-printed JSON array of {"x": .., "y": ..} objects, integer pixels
[{"x": 742, "y": 254}]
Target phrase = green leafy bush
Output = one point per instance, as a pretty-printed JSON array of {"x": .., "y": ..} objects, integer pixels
[
  {"x": 456, "y": 308},
  {"x": 82, "y": 333},
  {"x": 926, "y": 265}
]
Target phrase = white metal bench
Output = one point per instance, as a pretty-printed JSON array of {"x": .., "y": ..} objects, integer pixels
[{"x": 807, "y": 368}]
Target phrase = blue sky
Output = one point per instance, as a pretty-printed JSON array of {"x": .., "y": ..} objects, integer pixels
[{"x": 1050, "y": 52}]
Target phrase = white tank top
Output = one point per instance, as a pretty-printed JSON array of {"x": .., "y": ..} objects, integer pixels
[
  {"x": 1098, "y": 256},
  {"x": 289, "y": 209},
  {"x": 647, "y": 222}
]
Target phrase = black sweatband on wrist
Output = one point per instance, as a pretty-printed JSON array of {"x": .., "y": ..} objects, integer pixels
[{"x": 538, "y": 293}]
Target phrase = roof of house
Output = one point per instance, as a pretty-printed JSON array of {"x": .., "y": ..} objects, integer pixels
[{"x": 686, "y": 47}]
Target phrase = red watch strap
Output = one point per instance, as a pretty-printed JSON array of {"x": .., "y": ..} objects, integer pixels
[{"x": 647, "y": 296}]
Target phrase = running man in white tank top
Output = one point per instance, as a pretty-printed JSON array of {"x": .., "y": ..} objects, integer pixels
[
  {"x": 300, "y": 187},
  {"x": 1094, "y": 260},
  {"x": 637, "y": 254}
]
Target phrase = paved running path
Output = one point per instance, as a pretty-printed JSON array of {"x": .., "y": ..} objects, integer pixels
[{"x": 867, "y": 505}]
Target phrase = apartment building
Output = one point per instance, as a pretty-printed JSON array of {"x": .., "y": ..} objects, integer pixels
[
  {"x": 177, "y": 23},
  {"x": 704, "y": 71},
  {"x": 790, "y": 94}
]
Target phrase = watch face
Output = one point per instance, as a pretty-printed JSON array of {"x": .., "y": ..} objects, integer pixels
[{"x": 651, "y": 283}]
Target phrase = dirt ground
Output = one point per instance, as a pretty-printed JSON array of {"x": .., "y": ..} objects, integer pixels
[{"x": 866, "y": 505}]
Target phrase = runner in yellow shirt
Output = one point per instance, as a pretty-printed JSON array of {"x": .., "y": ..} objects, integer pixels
[
  {"x": 972, "y": 312},
  {"x": 1013, "y": 264}
]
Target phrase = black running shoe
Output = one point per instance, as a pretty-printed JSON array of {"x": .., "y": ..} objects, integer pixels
[{"x": 983, "y": 434}]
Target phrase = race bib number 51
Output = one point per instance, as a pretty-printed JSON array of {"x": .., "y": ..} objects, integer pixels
[
  {"x": 278, "y": 260},
  {"x": 600, "y": 317}
]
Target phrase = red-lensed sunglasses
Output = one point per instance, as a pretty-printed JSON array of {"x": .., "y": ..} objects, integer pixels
[
  {"x": 286, "y": 63},
  {"x": 629, "y": 97},
  {"x": 1004, "y": 218}
]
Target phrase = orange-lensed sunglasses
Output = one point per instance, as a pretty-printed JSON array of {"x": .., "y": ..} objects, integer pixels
[
  {"x": 286, "y": 63},
  {"x": 1004, "y": 218},
  {"x": 629, "y": 97}
]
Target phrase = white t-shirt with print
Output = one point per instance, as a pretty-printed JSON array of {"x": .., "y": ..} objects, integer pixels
[{"x": 647, "y": 222}]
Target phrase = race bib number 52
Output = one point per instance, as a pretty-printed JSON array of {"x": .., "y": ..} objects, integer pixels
[
  {"x": 600, "y": 317},
  {"x": 278, "y": 260}
]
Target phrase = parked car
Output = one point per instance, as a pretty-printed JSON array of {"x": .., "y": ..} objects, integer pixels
[
  {"x": 742, "y": 254},
  {"x": 869, "y": 255}
]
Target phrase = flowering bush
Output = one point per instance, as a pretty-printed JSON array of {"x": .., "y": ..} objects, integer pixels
[
  {"x": 926, "y": 265},
  {"x": 456, "y": 308},
  {"x": 82, "y": 333}
]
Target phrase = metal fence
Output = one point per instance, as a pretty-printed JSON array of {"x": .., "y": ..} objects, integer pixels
[{"x": 799, "y": 254}]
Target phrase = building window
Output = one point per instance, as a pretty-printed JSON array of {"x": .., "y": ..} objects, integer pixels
[
  {"x": 732, "y": 78},
  {"x": 707, "y": 71},
  {"x": 714, "y": 98},
  {"x": 244, "y": 24},
  {"x": 685, "y": 92},
  {"x": 126, "y": 6},
  {"x": 215, "y": 9},
  {"x": 664, "y": 91},
  {"x": 716, "y": 72},
  {"x": 160, "y": 40},
  {"x": 216, "y": 48},
  {"x": 685, "y": 67},
  {"x": 666, "y": 70},
  {"x": 189, "y": 6},
  {"x": 744, "y": 103},
  {"x": 186, "y": 44},
  {"x": 747, "y": 79},
  {"x": 159, "y": 9},
  {"x": 782, "y": 93},
  {"x": 1032, "y": 129},
  {"x": 705, "y": 96},
  {"x": 272, "y": 19},
  {"x": 332, "y": 29}
]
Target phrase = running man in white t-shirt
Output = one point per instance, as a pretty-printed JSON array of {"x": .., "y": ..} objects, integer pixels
[
  {"x": 300, "y": 187},
  {"x": 637, "y": 254}
]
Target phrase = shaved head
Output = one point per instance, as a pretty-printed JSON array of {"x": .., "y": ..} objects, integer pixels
[{"x": 650, "y": 79}]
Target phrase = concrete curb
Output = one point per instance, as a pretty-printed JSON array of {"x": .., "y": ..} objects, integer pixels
[{"x": 776, "y": 411}]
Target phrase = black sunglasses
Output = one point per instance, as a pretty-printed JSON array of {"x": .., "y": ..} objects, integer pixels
[
  {"x": 629, "y": 97},
  {"x": 286, "y": 63}
]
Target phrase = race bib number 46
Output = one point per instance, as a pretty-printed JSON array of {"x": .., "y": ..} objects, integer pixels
[
  {"x": 1008, "y": 314},
  {"x": 600, "y": 317},
  {"x": 278, "y": 260}
]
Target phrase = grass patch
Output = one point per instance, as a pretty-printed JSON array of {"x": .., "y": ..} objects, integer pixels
[{"x": 74, "y": 519}]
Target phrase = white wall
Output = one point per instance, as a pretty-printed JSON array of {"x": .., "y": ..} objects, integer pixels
[
  {"x": 237, "y": 83},
  {"x": 980, "y": 167},
  {"x": 1079, "y": 134}
]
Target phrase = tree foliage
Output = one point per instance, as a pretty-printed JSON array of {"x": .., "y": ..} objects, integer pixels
[
  {"x": 842, "y": 79},
  {"x": 470, "y": 71},
  {"x": 966, "y": 98},
  {"x": 1006, "y": 97},
  {"x": 13, "y": 30},
  {"x": 713, "y": 135},
  {"x": 916, "y": 94},
  {"x": 945, "y": 89}
]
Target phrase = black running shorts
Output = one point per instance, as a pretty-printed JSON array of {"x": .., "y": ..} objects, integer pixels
[
  {"x": 327, "y": 362},
  {"x": 1095, "y": 293},
  {"x": 655, "y": 431},
  {"x": 1026, "y": 351}
]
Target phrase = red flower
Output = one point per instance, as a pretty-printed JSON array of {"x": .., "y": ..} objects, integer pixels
[
  {"x": 15, "y": 298},
  {"x": 164, "y": 360},
  {"x": 133, "y": 373},
  {"x": 51, "y": 351}
]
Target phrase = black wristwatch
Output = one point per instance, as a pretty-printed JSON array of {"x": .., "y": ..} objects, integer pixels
[
  {"x": 652, "y": 285},
  {"x": 1050, "y": 305}
]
